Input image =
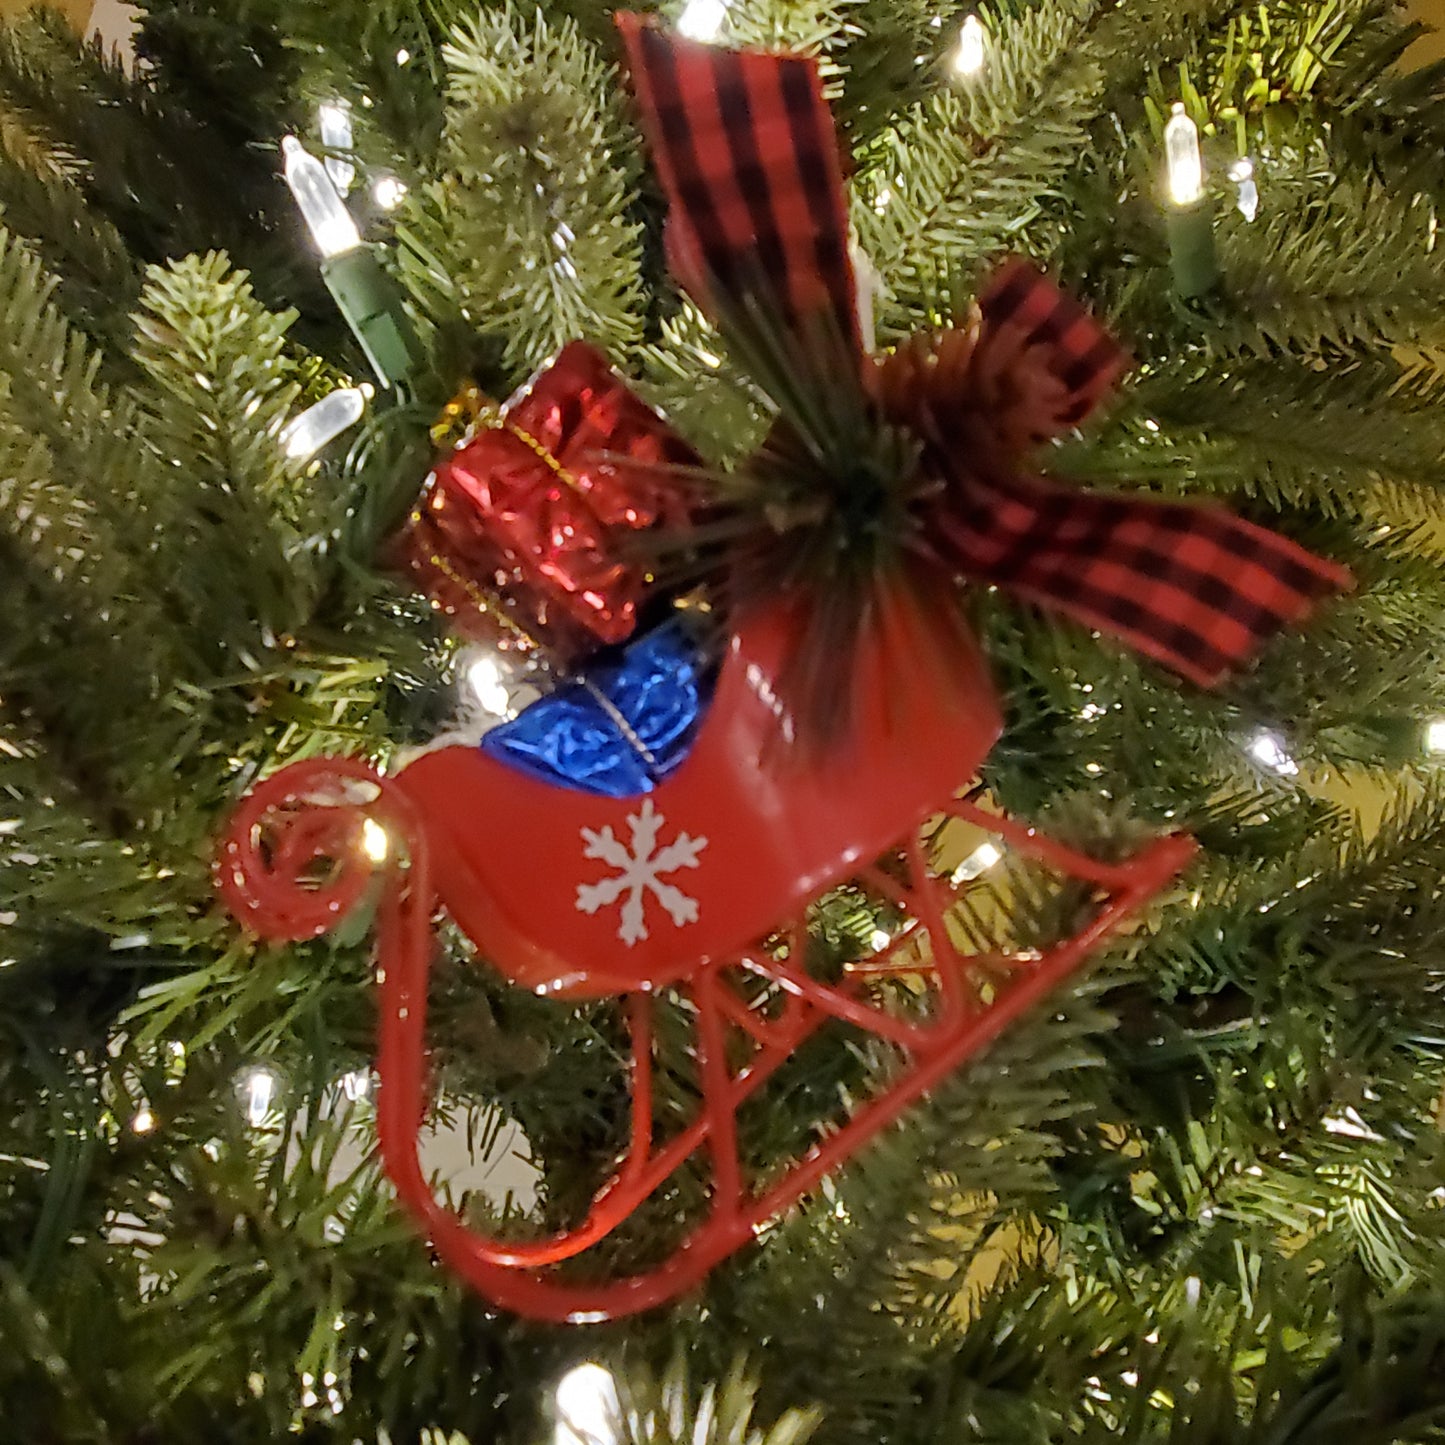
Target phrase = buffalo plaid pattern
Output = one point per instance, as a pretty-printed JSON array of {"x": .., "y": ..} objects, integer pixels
[
  {"x": 1194, "y": 587},
  {"x": 746, "y": 151},
  {"x": 745, "y": 148},
  {"x": 1023, "y": 311}
]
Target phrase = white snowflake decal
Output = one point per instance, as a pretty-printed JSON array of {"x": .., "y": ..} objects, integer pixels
[{"x": 640, "y": 869}]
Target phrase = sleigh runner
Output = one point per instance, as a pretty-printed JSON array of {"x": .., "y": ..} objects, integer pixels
[{"x": 701, "y": 887}]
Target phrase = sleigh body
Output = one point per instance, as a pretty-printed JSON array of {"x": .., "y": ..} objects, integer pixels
[
  {"x": 701, "y": 888},
  {"x": 759, "y": 829}
]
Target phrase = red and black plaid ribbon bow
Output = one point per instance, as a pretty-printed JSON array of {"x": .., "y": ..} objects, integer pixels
[{"x": 745, "y": 148}]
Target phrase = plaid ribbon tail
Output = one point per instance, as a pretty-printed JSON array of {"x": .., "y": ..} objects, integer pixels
[
  {"x": 745, "y": 149},
  {"x": 1193, "y": 587}
]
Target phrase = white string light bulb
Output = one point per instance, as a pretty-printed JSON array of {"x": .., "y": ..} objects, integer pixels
[
  {"x": 258, "y": 1093},
  {"x": 587, "y": 1407},
  {"x": 1268, "y": 750},
  {"x": 972, "y": 53},
  {"x": 484, "y": 678},
  {"x": 388, "y": 192},
  {"x": 977, "y": 863},
  {"x": 1246, "y": 198},
  {"x": 702, "y": 19},
  {"x": 1186, "y": 165},
  {"x": 1435, "y": 736},
  {"x": 332, "y": 226},
  {"x": 879, "y": 939},
  {"x": 375, "y": 842},
  {"x": 369, "y": 299},
  {"x": 319, "y": 425},
  {"x": 334, "y": 121}
]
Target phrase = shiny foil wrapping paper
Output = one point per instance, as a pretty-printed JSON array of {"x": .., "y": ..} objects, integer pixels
[{"x": 520, "y": 534}]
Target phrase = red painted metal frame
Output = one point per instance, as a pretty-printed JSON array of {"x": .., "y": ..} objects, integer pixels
[{"x": 280, "y": 872}]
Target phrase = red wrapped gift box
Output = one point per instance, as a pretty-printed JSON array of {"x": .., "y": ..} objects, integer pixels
[{"x": 518, "y": 533}]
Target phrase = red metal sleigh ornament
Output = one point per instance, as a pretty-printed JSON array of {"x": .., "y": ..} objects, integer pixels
[
  {"x": 711, "y": 891},
  {"x": 702, "y": 887}
]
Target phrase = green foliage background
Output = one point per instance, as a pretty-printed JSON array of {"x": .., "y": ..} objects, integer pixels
[{"x": 1198, "y": 1201}]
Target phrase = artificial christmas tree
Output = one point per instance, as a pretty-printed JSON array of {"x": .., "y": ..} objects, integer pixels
[{"x": 1195, "y": 1198}]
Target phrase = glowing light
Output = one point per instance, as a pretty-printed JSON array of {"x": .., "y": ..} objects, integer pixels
[
  {"x": 334, "y": 119},
  {"x": 977, "y": 863},
  {"x": 1246, "y": 198},
  {"x": 484, "y": 677},
  {"x": 330, "y": 223},
  {"x": 972, "y": 53},
  {"x": 258, "y": 1091},
  {"x": 403, "y": 56},
  {"x": 1268, "y": 750},
  {"x": 1435, "y": 736},
  {"x": 702, "y": 19},
  {"x": 143, "y": 1123},
  {"x": 374, "y": 841},
  {"x": 587, "y": 1407},
  {"x": 319, "y": 425},
  {"x": 388, "y": 192},
  {"x": 1186, "y": 166},
  {"x": 879, "y": 939},
  {"x": 356, "y": 1085}
]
